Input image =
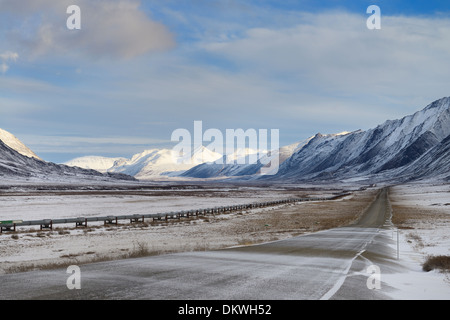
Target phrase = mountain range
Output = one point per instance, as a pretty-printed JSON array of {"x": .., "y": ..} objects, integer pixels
[
  {"x": 414, "y": 147},
  {"x": 155, "y": 164},
  {"x": 410, "y": 148}
]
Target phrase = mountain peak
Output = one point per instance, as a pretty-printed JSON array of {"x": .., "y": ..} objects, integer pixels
[
  {"x": 11, "y": 141},
  {"x": 98, "y": 163},
  {"x": 443, "y": 103}
]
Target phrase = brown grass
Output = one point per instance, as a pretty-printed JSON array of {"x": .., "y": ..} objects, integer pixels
[
  {"x": 407, "y": 217},
  {"x": 437, "y": 262},
  {"x": 307, "y": 217}
]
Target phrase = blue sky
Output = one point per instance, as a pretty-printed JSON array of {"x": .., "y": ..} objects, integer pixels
[{"x": 138, "y": 70}]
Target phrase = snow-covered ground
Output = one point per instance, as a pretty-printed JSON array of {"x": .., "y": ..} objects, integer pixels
[
  {"x": 414, "y": 283},
  {"x": 20, "y": 204},
  {"x": 72, "y": 206},
  {"x": 425, "y": 237}
]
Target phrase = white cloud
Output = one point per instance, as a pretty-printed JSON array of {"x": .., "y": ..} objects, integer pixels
[
  {"x": 17, "y": 107},
  {"x": 4, "y": 67},
  {"x": 112, "y": 29},
  {"x": 77, "y": 140},
  {"x": 13, "y": 56},
  {"x": 335, "y": 53},
  {"x": 90, "y": 145},
  {"x": 6, "y": 57}
]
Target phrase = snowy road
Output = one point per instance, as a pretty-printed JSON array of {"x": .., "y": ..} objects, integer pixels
[{"x": 330, "y": 264}]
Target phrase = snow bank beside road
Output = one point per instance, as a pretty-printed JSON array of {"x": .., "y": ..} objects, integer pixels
[{"x": 427, "y": 234}]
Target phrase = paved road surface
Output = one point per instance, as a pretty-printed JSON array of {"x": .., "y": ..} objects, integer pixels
[{"x": 330, "y": 264}]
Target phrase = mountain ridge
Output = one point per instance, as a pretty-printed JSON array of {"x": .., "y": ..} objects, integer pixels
[
  {"x": 396, "y": 150},
  {"x": 15, "y": 165},
  {"x": 14, "y": 143},
  {"x": 389, "y": 146}
]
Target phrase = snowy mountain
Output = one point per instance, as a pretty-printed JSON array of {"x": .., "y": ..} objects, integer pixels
[
  {"x": 11, "y": 141},
  {"x": 154, "y": 164},
  {"x": 157, "y": 163},
  {"x": 388, "y": 151},
  {"x": 235, "y": 169},
  {"x": 433, "y": 164},
  {"x": 101, "y": 164},
  {"x": 415, "y": 146},
  {"x": 15, "y": 165}
]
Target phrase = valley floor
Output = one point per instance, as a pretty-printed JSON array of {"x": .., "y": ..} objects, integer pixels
[
  {"x": 31, "y": 248},
  {"x": 422, "y": 214}
]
